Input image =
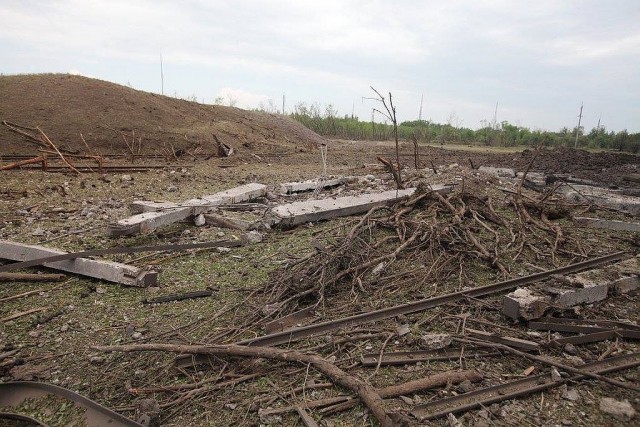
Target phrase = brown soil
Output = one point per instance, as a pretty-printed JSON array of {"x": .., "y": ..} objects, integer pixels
[{"x": 64, "y": 106}]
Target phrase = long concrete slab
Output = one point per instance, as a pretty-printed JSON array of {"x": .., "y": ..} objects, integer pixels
[
  {"x": 309, "y": 185},
  {"x": 613, "y": 199},
  {"x": 318, "y": 210},
  {"x": 99, "y": 269},
  {"x": 610, "y": 224},
  {"x": 158, "y": 214}
]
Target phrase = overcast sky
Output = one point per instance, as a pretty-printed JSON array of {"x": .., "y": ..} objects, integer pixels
[{"x": 537, "y": 59}]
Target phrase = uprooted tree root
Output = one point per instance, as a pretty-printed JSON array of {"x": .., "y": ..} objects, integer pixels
[{"x": 428, "y": 238}]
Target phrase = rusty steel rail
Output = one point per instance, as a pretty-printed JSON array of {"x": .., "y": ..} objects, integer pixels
[
  {"x": 408, "y": 357},
  {"x": 512, "y": 389},
  {"x": 385, "y": 313},
  {"x": 14, "y": 393}
]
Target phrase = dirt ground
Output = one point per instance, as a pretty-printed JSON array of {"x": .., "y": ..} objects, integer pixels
[{"x": 260, "y": 282}]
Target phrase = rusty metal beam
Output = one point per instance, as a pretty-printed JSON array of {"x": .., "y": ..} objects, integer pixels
[
  {"x": 408, "y": 357},
  {"x": 14, "y": 393},
  {"x": 513, "y": 389},
  {"x": 373, "y": 316}
]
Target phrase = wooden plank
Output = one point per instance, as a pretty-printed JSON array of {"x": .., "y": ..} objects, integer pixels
[
  {"x": 319, "y": 210},
  {"x": 158, "y": 214},
  {"x": 609, "y": 224},
  {"x": 99, "y": 269}
]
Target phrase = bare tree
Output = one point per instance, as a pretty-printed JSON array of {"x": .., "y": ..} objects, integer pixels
[{"x": 390, "y": 114}]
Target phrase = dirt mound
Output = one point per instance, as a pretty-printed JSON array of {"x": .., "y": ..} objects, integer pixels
[{"x": 64, "y": 106}]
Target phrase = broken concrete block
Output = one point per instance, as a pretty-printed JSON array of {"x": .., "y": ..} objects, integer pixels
[
  {"x": 524, "y": 304},
  {"x": 587, "y": 294},
  {"x": 499, "y": 172}
]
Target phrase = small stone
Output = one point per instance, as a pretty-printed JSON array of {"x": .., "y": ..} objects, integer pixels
[
  {"x": 566, "y": 423},
  {"x": 555, "y": 375},
  {"x": 571, "y": 395},
  {"x": 100, "y": 290},
  {"x": 172, "y": 189},
  {"x": 453, "y": 421},
  {"x": 136, "y": 335},
  {"x": 64, "y": 328},
  {"x": 465, "y": 386},
  {"x": 220, "y": 234},
  {"x": 403, "y": 329},
  {"x": 619, "y": 409},
  {"x": 199, "y": 220},
  {"x": 96, "y": 360},
  {"x": 223, "y": 250},
  {"x": 570, "y": 349},
  {"x": 125, "y": 178},
  {"x": 254, "y": 236},
  {"x": 231, "y": 406},
  {"x": 38, "y": 232},
  {"x": 139, "y": 373}
]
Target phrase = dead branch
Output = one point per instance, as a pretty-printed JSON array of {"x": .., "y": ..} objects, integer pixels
[
  {"x": 52, "y": 145},
  {"x": 39, "y": 159},
  {"x": 366, "y": 392}
]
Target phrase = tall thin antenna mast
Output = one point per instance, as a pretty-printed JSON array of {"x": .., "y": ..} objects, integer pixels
[
  {"x": 420, "y": 113},
  {"x": 161, "y": 77},
  {"x": 575, "y": 145},
  {"x": 495, "y": 117},
  {"x": 283, "y": 104}
]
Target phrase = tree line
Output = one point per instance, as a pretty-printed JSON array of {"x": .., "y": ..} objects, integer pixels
[{"x": 326, "y": 122}]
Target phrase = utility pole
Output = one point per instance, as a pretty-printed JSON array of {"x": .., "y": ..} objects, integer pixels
[
  {"x": 575, "y": 145},
  {"x": 353, "y": 110},
  {"x": 495, "y": 117},
  {"x": 420, "y": 112},
  {"x": 161, "y": 77}
]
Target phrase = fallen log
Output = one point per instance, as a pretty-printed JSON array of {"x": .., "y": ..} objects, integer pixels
[{"x": 366, "y": 392}]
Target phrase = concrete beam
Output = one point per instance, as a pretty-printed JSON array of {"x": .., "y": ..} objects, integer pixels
[
  {"x": 613, "y": 199},
  {"x": 319, "y": 210},
  {"x": 609, "y": 224},
  {"x": 99, "y": 269},
  {"x": 158, "y": 214},
  {"x": 310, "y": 185}
]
